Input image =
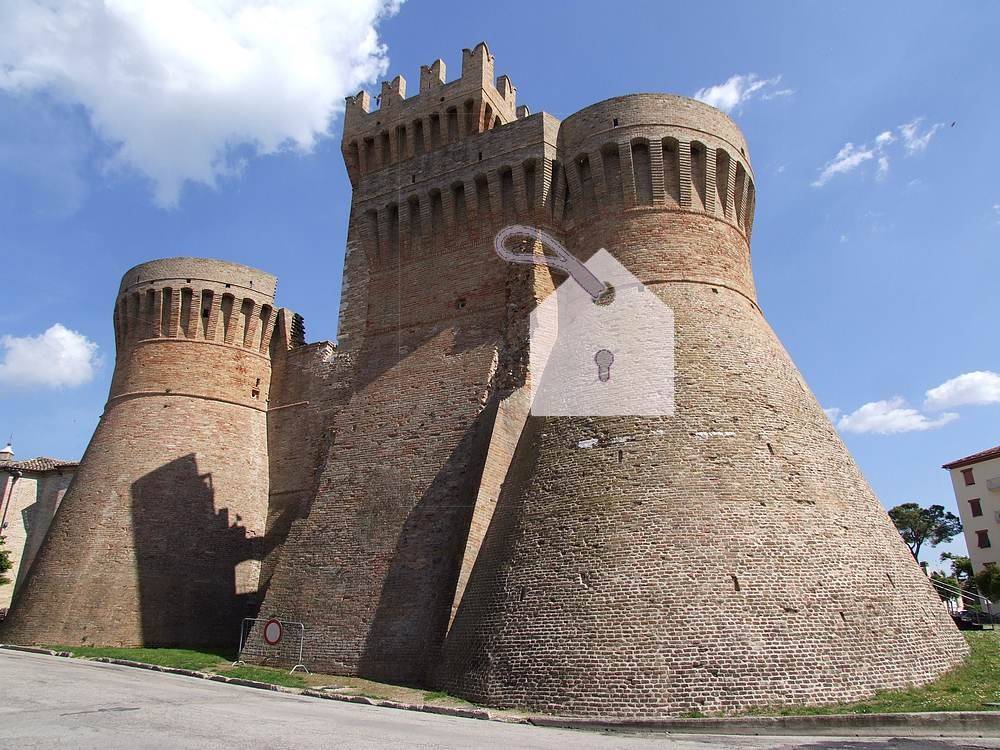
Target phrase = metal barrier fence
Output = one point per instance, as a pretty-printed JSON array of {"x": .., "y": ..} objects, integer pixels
[
  {"x": 271, "y": 640},
  {"x": 971, "y": 608}
]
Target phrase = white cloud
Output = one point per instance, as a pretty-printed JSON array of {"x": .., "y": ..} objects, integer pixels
[
  {"x": 56, "y": 358},
  {"x": 850, "y": 157},
  {"x": 832, "y": 413},
  {"x": 847, "y": 159},
  {"x": 971, "y": 388},
  {"x": 883, "y": 168},
  {"x": 884, "y": 138},
  {"x": 888, "y": 417},
  {"x": 176, "y": 87},
  {"x": 740, "y": 89},
  {"x": 913, "y": 139}
]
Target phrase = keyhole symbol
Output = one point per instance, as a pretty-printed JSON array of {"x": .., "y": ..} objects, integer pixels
[{"x": 604, "y": 359}]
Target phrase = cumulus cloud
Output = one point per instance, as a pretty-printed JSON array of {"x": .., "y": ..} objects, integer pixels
[
  {"x": 740, "y": 89},
  {"x": 971, "y": 388},
  {"x": 850, "y": 157},
  {"x": 889, "y": 417},
  {"x": 57, "y": 358},
  {"x": 832, "y": 413},
  {"x": 178, "y": 87}
]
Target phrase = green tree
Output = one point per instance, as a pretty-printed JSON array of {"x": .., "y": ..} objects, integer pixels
[
  {"x": 961, "y": 566},
  {"x": 988, "y": 582},
  {"x": 919, "y": 526},
  {"x": 5, "y": 563}
]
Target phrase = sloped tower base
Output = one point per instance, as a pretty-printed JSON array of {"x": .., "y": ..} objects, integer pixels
[
  {"x": 159, "y": 539},
  {"x": 720, "y": 557},
  {"x": 727, "y": 557}
]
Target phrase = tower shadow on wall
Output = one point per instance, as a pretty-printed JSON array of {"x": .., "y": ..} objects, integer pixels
[
  {"x": 186, "y": 557},
  {"x": 404, "y": 641}
]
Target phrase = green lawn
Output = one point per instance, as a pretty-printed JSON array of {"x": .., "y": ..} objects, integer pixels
[
  {"x": 266, "y": 674},
  {"x": 967, "y": 688},
  {"x": 165, "y": 657}
]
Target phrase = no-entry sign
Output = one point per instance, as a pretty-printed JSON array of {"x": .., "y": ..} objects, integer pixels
[{"x": 272, "y": 632}]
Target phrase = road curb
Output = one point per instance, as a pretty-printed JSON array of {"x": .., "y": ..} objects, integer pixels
[
  {"x": 35, "y": 650},
  {"x": 932, "y": 724},
  {"x": 936, "y": 724}
]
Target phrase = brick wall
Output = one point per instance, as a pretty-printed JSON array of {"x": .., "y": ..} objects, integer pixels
[
  {"x": 160, "y": 539},
  {"x": 728, "y": 556}
]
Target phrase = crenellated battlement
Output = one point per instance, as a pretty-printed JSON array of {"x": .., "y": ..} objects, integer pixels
[
  {"x": 640, "y": 153},
  {"x": 441, "y": 113}
]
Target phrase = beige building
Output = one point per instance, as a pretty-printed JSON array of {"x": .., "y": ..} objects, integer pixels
[
  {"x": 30, "y": 493},
  {"x": 976, "y": 479}
]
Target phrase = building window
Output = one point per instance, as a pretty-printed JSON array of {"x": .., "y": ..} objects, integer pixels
[
  {"x": 967, "y": 476},
  {"x": 977, "y": 507},
  {"x": 982, "y": 539}
]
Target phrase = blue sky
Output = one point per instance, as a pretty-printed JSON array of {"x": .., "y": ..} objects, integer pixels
[{"x": 880, "y": 276}]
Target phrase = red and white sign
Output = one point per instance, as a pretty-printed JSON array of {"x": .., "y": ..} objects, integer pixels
[{"x": 272, "y": 632}]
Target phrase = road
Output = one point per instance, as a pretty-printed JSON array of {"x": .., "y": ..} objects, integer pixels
[{"x": 55, "y": 702}]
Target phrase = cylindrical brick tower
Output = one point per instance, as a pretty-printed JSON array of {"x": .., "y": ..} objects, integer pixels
[
  {"x": 159, "y": 539},
  {"x": 730, "y": 555}
]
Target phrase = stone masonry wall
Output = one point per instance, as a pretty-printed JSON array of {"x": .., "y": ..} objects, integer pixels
[
  {"x": 160, "y": 539},
  {"x": 725, "y": 557},
  {"x": 393, "y": 495}
]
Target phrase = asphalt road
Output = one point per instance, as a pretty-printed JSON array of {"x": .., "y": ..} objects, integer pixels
[{"x": 55, "y": 702}]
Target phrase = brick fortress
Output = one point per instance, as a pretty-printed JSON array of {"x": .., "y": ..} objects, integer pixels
[{"x": 393, "y": 493}]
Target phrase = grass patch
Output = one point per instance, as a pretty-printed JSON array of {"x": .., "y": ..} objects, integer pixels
[
  {"x": 165, "y": 657},
  {"x": 965, "y": 688},
  {"x": 265, "y": 674}
]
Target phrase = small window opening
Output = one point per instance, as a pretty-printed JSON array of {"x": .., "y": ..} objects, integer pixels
[
  {"x": 460, "y": 303},
  {"x": 976, "y": 506},
  {"x": 736, "y": 583},
  {"x": 614, "y": 122},
  {"x": 983, "y": 539},
  {"x": 968, "y": 476}
]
